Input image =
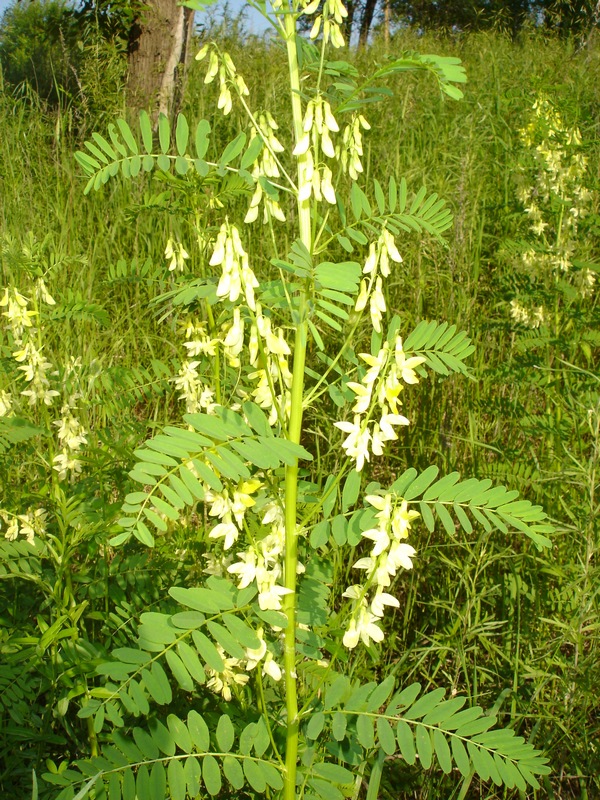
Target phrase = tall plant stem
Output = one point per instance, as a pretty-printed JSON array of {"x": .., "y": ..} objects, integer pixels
[{"x": 294, "y": 434}]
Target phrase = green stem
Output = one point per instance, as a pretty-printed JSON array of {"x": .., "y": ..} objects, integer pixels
[{"x": 294, "y": 434}]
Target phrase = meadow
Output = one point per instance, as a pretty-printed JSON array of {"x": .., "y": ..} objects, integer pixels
[{"x": 484, "y": 613}]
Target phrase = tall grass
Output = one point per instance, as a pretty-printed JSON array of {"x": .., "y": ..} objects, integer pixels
[{"x": 483, "y": 613}]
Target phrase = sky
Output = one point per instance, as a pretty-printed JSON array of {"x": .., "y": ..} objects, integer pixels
[{"x": 254, "y": 24}]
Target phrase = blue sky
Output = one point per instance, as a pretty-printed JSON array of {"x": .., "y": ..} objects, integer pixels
[{"x": 255, "y": 23}]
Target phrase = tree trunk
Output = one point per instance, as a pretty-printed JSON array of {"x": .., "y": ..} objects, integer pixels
[
  {"x": 386, "y": 24},
  {"x": 159, "y": 46},
  {"x": 347, "y": 27},
  {"x": 365, "y": 22}
]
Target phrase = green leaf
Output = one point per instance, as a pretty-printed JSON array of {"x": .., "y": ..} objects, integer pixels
[
  {"x": 139, "y": 698},
  {"x": 320, "y": 534},
  {"x": 228, "y": 642},
  {"x": 338, "y": 529},
  {"x": 225, "y": 733},
  {"x": 164, "y": 134},
  {"x": 446, "y": 519},
  {"x": 129, "y": 792},
  {"x": 191, "y": 662},
  {"x": 88, "y": 163},
  {"x": 442, "y": 751},
  {"x": 180, "y": 733},
  {"x": 242, "y": 632},
  {"x": 177, "y": 781},
  {"x": 128, "y": 136},
  {"x": 157, "y": 684},
  {"x": 202, "y": 140},
  {"x": 146, "y": 744},
  {"x": 351, "y": 490},
  {"x": 158, "y": 780},
  {"x": 192, "y": 774},
  {"x": 424, "y": 746},
  {"x": 425, "y": 704},
  {"x": 208, "y": 651},
  {"x": 162, "y": 737},
  {"x": 198, "y": 731},
  {"x": 476, "y": 726},
  {"x": 233, "y": 149},
  {"x": 146, "y": 131},
  {"x": 164, "y": 508},
  {"x": 392, "y": 194},
  {"x": 211, "y": 775},
  {"x": 182, "y": 165},
  {"x": 95, "y": 151},
  {"x": 365, "y": 731},
  {"x": 182, "y": 134},
  {"x": 379, "y": 196},
  {"x": 252, "y": 153},
  {"x": 385, "y": 735},
  {"x": 233, "y": 772},
  {"x": 272, "y": 775},
  {"x": 247, "y": 738},
  {"x": 179, "y": 671},
  {"x": 106, "y": 147},
  {"x": 421, "y": 482},
  {"x": 255, "y": 776},
  {"x": 339, "y": 723},
  {"x": 155, "y": 519},
  {"x": 444, "y": 711},
  {"x": 191, "y": 482},
  {"x": 261, "y": 737},
  {"x": 406, "y": 742},
  {"x": 381, "y": 693},
  {"x": 142, "y": 782},
  {"x": 315, "y": 725},
  {"x": 325, "y": 790},
  {"x": 461, "y": 759},
  {"x": 200, "y": 599},
  {"x": 334, "y": 773}
]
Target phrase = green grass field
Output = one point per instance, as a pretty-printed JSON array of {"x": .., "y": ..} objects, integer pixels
[{"x": 485, "y": 614}]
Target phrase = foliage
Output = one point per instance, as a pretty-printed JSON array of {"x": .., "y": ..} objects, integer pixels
[
  {"x": 483, "y": 613},
  {"x": 36, "y": 41}
]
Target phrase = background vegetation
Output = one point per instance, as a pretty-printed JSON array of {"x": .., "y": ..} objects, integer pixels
[{"x": 484, "y": 614}]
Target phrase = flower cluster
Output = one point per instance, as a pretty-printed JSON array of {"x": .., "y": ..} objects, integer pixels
[
  {"x": 351, "y": 150},
  {"x": 235, "y": 669},
  {"x": 29, "y": 525},
  {"x": 29, "y": 353},
  {"x": 389, "y": 553},
  {"x": 268, "y": 352},
  {"x": 6, "y": 402},
  {"x": 555, "y": 200},
  {"x": 71, "y": 436},
  {"x": 197, "y": 395},
  {"x": 381, "y": 386},
  {"x": 377, "y": 266},
  {"x": 319, "y": 124},
  {"x": 229, "y": 507},
  {"x": 267, "y": 166},
  {"x": 261, "y": 563},
  {"x": 18, "y": 314},
  {"x": 237, "y": 275},
  {"x": 221, "y": 64},
  {"x": 332, "y": 16},
  {"x": 531, "y": 318},
  {"x": 176, "y": 254}
]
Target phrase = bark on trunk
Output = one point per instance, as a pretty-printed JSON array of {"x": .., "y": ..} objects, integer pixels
[
  {"x": 347, "y": 28},
  {"x": 159, "y": 46},
  {"x": 366, "y": 21}
]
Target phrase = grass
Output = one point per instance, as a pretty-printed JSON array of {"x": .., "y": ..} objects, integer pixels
[{"x": 482, "y": 613}]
